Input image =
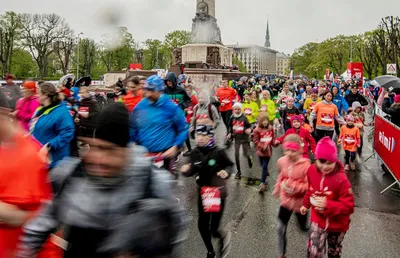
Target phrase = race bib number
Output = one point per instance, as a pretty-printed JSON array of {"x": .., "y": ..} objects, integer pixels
[
  {"x": 349, "y": 139},
  {"x": 190, "y": 112},
  {"x": 248, "y": 111},
  {"x": 263, "y": 108},
  {"x": 211, "y": 199},
  {"x": 265, "y": 138},
  {"x": 327, "y": 118},
  {"x": 238, "y": 127},
  {"x": 83, "y": 110},
  {"x": 312, "y": 105}
]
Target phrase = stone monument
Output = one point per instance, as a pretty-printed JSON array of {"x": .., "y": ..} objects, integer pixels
[{"x": 206, "y": 43}]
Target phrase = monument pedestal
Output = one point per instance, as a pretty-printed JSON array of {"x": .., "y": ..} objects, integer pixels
[{"x": 212, "y": 54}]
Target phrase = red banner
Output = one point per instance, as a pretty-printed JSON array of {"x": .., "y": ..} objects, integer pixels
[
  {"x": 327, "y": 74},
  {"x": 357, "y": 71},
  {"x": 386, "y": 144},
  {"x": 135, "y": 66}
]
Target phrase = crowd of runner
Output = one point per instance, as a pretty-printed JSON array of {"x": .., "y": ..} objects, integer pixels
[{"x": 107, "y": 155}]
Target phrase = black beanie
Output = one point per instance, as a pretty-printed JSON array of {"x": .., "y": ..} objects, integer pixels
[{"x": 113, "y": 125}]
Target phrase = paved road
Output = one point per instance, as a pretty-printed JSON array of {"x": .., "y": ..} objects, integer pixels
[{"x": 252, "y": 217}]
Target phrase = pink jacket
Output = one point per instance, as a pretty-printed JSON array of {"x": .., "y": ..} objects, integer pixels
[
  {"x": 296, "y": 183},
  {"x": 26, "y": 107}
]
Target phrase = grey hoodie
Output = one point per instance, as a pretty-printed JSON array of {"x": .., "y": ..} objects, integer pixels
[
  {"x": 80, "y": 203},
  {"x": 204, "y": 110}
]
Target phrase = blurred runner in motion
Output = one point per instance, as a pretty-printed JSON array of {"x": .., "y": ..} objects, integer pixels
[
  {"x": 24, "y": 185},
  {"x": 94, "y": 193},
  {"x": 158, "y": 124},
  {"x": 213, "y": 167}
]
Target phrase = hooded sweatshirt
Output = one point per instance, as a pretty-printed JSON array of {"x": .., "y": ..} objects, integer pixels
[
  {"x": 178, "y": 94},
  {"x": 295, "y": 177},
  {"x": 340, "y": 101},
  {"x": 205, "y": 110},
  {"x": 26, "y": 108},
  {"x": 326, "y": 113},
  {"x": 336, "y": 187}
]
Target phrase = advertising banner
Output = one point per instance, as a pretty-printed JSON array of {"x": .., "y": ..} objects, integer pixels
[{"x": 386, "y": 144}]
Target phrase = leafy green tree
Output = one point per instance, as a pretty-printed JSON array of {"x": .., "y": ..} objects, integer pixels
[
  {"x": 156, "y": 54},
  {"x": 242, "y": 67},
  {"x": 10, "y": 32},
  {"x": 173, "y": 40},
  {"x": 23, "y": 65}
]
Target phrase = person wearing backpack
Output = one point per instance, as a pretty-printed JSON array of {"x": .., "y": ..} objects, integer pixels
[{"x": 204, "y": 113}]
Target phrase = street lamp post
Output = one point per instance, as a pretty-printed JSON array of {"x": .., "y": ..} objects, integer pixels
[{"x": 77, "y": 62}]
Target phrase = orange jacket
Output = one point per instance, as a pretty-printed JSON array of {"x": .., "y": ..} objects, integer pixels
[
  {"x": 131, "y": 100},
  {"x": 326, "y": 114},
  {"x": 23, "y": 183}
]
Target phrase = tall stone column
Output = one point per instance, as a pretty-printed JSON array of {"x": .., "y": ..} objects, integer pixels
[{"x": 211, "y": 6}]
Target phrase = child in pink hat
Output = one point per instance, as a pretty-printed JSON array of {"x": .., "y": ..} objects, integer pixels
[{"x": 331, "y": 200}]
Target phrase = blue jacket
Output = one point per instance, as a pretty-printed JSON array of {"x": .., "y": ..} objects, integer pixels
[
  {"x": 158, "y": 126},
  {"x": 55, "y": 127},
  {"x": 340, "y": 102}
]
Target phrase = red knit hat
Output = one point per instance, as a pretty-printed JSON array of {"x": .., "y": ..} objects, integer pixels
[
  {"x": 326, "y": 149},
  {"x": 9, "y": 77}
]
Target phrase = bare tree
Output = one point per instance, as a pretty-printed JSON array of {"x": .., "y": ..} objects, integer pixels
[
  {"x": 391, "y": 26},
  {"x": 39, "y": 33},
  {"x": 64, "y": 49},
  {"x": 10, "y": 29}
]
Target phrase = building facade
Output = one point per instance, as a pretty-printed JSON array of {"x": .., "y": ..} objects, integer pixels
[
  {"x": 282, "y": 64},
  {"x": 257, "y": 59}
]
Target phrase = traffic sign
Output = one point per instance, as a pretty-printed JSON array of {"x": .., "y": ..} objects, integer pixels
[{"x": 391, "y": 69}]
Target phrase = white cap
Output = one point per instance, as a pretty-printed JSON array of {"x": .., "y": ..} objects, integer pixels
[{"x": 237, "y": 105}]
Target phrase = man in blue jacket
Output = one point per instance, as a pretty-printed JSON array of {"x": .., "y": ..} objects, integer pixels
[
  {"x": 341, "y": 104},
  {"x": 158, "y": 124}
]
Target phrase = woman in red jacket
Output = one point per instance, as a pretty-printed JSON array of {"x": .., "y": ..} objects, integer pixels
[
  {"x": 308, "y": 140},
  {"x": 23, "y": 185},
  {"x": 331, "y": 199}
]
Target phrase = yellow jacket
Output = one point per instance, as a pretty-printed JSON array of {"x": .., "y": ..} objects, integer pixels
[
  {"x": 309, "y": 105},
  {"x": 270, "y": 105},
  {"x": 250, "y": 109}
]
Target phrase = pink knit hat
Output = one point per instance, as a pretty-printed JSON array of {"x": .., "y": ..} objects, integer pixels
[
  {"x": 326, "y": 149},
  {"x": 397, "y": 98}
]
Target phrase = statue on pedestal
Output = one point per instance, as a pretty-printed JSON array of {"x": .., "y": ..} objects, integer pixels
[{"x": 205, "y": 28}]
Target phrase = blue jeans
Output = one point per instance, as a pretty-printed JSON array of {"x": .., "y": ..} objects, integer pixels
[{"x": 264, "y": 161}]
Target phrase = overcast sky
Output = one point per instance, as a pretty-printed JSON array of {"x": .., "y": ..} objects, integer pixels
[{"x": 292, "y": 22}]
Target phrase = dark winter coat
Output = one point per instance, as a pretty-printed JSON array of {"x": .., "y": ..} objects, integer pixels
[
  {"x": 88, "y": 105},
  {"x": 3, "y": 100},
  {"x": 392, "y": 110},
  {"x": 206, "y": 163},
  {"x": 177, "y": 93},
  {"x": 12, "y": 92},
  {"x": 350, "y": 98}
]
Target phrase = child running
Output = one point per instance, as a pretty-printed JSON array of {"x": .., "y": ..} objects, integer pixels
[
  {"x": 307, "y": 140},
  {"x": 263, "y": 137},
  {"x": 239, "y": 130},
  {"x": 350, "y": 139},
  {"x": 288, "y": 113},
  {"x": 331, "y": 199},
  {"x": 291, "y": 186},
  {"x": 213, "y": 167}
]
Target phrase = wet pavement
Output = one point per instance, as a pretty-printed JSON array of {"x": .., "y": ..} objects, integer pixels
[{"x": 374, "y": 230}]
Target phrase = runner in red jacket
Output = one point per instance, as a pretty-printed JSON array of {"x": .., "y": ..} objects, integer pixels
[
  {"x": 331, "y": 200},
  {"x": 308, "y": 140}
]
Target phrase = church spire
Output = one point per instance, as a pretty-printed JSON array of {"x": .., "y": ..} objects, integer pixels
[{"x": 267, "y": 38}]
